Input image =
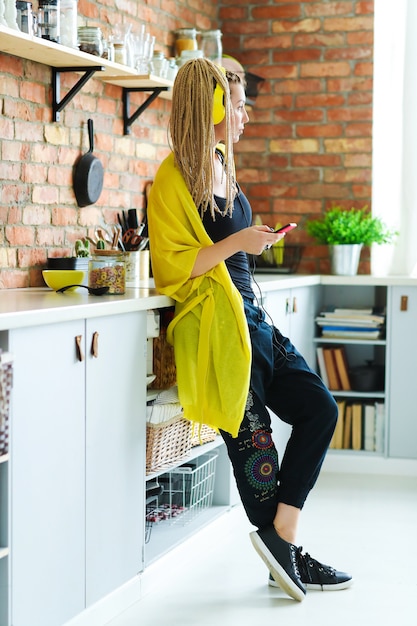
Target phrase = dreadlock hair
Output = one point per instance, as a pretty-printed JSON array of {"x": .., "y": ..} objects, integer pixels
[{"x": 192, "y": 132}]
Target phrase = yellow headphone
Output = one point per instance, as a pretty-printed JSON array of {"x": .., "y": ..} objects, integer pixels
[{"x": 218, "y": 102}]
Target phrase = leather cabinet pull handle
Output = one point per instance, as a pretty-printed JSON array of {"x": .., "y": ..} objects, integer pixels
[
  {"x": 78, "y": 342},
  {"x": 94, "y": 345}
]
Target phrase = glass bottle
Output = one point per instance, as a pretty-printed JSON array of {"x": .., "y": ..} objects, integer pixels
[
  {"x": 68, "y": 25},
  {"x": 211, "y": 45},
  {"x": 106, "y": 268},
  {"x": 49, "y": 20},
  {"x": 24, "y": 17},
  {"x": 185, "y": 39}
]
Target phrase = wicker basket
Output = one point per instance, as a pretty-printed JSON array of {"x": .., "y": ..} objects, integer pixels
[
  {"x": 163, "y": 362},
  {"x": 201, "y": 434},
  {"x": 167, "y": 443},
  {"x": 6, "y": 381}
]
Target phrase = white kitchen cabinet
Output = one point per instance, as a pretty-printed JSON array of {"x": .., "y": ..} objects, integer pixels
[
  {"x": 77, "y": 458},
  {"x": 48, "y": 476},
  {"x": 292, "y": 312},
  {"x": 402, "y": 372}
]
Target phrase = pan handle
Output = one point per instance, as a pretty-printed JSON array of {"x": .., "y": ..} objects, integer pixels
[{"x": 90, "y": 134}]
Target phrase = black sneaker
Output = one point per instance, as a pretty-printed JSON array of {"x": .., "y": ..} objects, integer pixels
[
  {"x": 315, "y": 575},
  {"x": 281, "y": 560}
]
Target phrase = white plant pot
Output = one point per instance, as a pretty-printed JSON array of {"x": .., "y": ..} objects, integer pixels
[{"x": 345, "y": 259}]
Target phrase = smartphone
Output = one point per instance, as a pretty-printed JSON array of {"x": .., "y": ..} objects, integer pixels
[{"x": 286, "y": 228}]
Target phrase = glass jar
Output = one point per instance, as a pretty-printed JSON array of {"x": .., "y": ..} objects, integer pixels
[
  {"x": 68, "y": 26},
  {"x": 172, "y": 69},
  {"x": 49, "y": 20},
  {"x": 185, "y": 39},
  {"x": 120, "y": 55},
  {"x": 159, "y": 64},
  {"x": 106, "y": 268},
  {"x": 24, "y": 17},
  {"x": 211, "y": 45},
  {"x": 90, "y": 40}
]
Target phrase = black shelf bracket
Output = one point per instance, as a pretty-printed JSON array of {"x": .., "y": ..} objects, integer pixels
[
  {"x": 57, "y": 104},
  {"x": 129, "y": 119}
]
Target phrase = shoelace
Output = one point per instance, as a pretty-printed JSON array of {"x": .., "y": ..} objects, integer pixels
[{"x": 308, "y": 565}]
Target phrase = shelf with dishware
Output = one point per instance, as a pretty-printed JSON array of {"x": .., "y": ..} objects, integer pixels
[{"x": 64, "y": 59}]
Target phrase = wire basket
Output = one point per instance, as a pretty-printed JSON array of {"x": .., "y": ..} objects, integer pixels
[
  {"x": 6, "y": 381},
  {"x": 188, "y": 489},
  {"x": 279, "y": 259}
]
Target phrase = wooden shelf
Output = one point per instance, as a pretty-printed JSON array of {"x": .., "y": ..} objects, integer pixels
[
  {"x": 63, "y": 59},
  {"x": 4, "y": 458}
]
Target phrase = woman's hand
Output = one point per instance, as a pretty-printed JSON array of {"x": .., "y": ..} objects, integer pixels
[
  {"x": 252, "y": 240},
  {"x": 255, "y": 239}
]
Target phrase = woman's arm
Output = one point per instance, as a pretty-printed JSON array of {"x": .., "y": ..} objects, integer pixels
[{"x": 252, "y": 240}]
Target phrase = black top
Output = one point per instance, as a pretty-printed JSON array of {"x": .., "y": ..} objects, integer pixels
[{"x": 223, "y": 226}]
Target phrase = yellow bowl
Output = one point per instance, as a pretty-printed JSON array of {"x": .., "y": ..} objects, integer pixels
[{"x": 55, "y": 279}]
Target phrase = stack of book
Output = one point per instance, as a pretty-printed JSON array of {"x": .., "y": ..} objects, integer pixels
[
  {"x": 359, "y": 427},
  {"x": 351, "y": 323}
]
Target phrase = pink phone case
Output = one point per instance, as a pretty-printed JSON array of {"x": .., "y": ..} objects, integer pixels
[{"x": 286, "y": 228}]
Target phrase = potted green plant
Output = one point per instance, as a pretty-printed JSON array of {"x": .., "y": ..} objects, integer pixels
[{"x": 346, "y": 231}]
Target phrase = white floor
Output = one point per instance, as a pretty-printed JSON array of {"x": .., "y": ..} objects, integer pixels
[{"x": 364, "y": 525}]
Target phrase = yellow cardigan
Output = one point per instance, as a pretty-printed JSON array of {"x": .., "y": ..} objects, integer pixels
[{"x": 209, "y": 330}]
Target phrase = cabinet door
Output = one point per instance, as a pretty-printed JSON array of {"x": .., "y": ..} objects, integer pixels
[
  {"x": 402, "y": 372},
  {"x": 47, "y": 475},
  {"x": 303, "y": 310},
  {"x": 115, "y": 458},
  {"x": 292, "y": 312}
]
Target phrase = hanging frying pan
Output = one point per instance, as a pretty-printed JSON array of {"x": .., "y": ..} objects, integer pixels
[{"x": 88, "y": 174}]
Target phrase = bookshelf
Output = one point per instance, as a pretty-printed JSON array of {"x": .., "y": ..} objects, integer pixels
[{"x": 354, "y": 369}]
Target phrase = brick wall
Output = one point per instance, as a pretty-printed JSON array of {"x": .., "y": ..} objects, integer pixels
[{"x": 308, "y": 143}]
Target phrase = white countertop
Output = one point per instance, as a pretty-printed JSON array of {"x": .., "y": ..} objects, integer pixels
[{"x": 40, "y": 305}]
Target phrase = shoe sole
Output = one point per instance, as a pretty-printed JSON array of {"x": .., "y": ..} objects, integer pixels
[
  {"x": 312, "y": 587},
  {"x": 278, "y": 572}
]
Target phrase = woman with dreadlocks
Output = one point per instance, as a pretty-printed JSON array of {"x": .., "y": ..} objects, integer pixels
[{"x": 231, "y": 363}]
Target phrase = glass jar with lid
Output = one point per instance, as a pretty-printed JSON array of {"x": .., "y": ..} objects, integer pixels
[
  {"x": 185, "y": 39},
  {"x": 120, "y": 52},
  {"x": 211, "y": 45},
  {"x": 90, "y": 39},
  {"x": 106, "y": 268}
]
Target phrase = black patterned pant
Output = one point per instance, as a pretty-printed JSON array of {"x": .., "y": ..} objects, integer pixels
[{"x": 282, "y": 381}]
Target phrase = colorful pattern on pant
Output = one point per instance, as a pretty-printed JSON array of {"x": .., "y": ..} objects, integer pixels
[{"x": 261, "y": 467}]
